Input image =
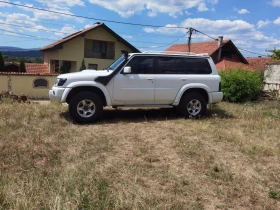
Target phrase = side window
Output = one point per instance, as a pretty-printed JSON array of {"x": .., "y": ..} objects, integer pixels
[
  {"x": 181, "y": 68},
  {"x": 141, "y": 65},
  {"x": 166, "y": 65},
  {"x": 197, "y": 66}
]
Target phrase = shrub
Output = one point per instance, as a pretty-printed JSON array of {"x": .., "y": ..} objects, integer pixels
[{"x": 240, "y": 85}]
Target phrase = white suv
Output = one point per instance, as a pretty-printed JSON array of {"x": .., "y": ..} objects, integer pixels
[{"x": 184, "y": 80}]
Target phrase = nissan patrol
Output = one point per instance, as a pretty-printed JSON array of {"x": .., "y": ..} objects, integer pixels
[{"x": 187, "y": 81}]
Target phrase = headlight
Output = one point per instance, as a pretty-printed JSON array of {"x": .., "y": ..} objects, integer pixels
[{"x": 60, "y": 82}]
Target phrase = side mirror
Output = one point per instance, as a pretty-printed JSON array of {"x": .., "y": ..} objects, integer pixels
[{"x": 127, "y": 70}]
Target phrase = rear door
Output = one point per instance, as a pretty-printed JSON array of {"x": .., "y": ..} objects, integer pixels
[{"x": 171, "y": 76}]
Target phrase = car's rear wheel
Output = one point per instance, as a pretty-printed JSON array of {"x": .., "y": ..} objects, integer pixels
[
  {"x": 85, "y": 107},
  {"x": 193, "y": 104}
]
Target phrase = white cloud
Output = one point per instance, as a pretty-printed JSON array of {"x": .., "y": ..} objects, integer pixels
[
  {"x": 152, "y": 14},
  {"x": 149, "y": 30},
  {"x": 262, "y": 23},
  {"x": 173, "y": 8},
  {"x": 275, "y": 3},
  {"x": 277, "y": 21},
  {"x": 66, "y": 29},
  {"x": 241, "y": 11},
  {"x": 127, "y": 36},
  {"x": 4, "y": 4},
  {"x": 169, "y": 30},
  {"x": 19, "y": 18},
  {"x": 202, "y": 7},
  {"x": 88, "y": 26},
  {"x": 239, "y": 31},
  {"x": 39, "y": 14},
  {"x": 243, "y": 34},
  {"x": 61, "y": 3}
]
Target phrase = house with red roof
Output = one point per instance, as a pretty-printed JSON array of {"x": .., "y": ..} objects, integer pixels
[
  {"x": 98, "y": 46},
  {"x": 224, "y": 54}
]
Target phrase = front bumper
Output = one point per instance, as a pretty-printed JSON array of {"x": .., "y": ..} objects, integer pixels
[
  {"x": 217, "y": 97},
  {"x": 55, "y": 94}
]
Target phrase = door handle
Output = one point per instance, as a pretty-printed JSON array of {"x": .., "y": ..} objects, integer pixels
[
  {"x": 184, "y": 79},
  {"x": 149, "y": 78}
]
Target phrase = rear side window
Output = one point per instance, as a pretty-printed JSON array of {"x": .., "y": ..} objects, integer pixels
[
  {"x": 197, "y": 66},
  {"x": 179, "y": 65},
  {"x": 167, "y": 65},
  {"x": 141, "y": 65}
]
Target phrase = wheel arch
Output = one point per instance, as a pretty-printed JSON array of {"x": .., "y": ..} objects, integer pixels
[
  {"x": 100, "y": 91},
  {"x": 202, "y": 89}
]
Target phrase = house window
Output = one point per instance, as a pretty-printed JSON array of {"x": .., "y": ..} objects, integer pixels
[
  {"x": 99, "y": 49},
  {"x": 40, "y": 83},
  {"x": 92, "y": 66}
]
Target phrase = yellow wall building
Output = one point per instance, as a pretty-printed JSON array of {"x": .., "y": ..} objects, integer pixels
[
  {"x": 98, "y": 46},
  {"x": 31, "y": 85}
]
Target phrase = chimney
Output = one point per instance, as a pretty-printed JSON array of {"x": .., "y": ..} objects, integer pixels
[{"x": 220, "y": 43}]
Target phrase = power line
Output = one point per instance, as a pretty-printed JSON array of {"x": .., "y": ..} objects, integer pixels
[
  {"x": 168, "y": 43},
  {"x": 26, "y": 35},
  {"x": 205, "y": 34},
  {"x": 251, "y": 52},
  {"x": 40, "y": 29},
  {"x": 91, "y": 18},
  {"x": 26, "y": 40}
]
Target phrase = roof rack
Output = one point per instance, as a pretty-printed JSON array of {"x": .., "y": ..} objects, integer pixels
[{"x": 176, "y": 53}]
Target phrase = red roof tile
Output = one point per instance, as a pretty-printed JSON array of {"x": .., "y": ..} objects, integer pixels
[
  {"x": 260, "y": 63},
  {"x": 254, "y": 63},
  {"x": 200, "y": 47},
  {"x": 36, "y": 68},
  {"x": 227, "y": 63}
]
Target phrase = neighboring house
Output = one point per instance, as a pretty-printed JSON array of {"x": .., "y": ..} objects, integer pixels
[
  {"x": 224, "y": 54},
  {"x": 31, "y": 68},
  {"x": 98, "y": 46}
]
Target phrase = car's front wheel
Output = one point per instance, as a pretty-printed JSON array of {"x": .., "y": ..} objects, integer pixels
[
  {"x": 85, "y": 107},
  {"x": 193, "y": 104}
]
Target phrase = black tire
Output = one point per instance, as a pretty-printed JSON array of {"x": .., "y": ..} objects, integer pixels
[
  {"x": 88, "y": 113},
  {"x": 193, "y": 104}
]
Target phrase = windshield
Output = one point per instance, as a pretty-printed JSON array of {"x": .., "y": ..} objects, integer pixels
[{"x": 116, "y": 63}]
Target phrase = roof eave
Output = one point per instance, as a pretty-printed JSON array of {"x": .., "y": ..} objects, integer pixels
[{"x": 60, "y": 45}]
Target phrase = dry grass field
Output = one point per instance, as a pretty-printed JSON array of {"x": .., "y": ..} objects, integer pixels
[{"x": 140, "y": 159}]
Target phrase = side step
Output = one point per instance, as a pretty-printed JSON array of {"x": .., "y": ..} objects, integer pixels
[{"x": 144, "y": 105}]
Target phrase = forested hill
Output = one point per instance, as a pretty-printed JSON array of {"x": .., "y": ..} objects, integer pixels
[{"x": 20, "y": 52}]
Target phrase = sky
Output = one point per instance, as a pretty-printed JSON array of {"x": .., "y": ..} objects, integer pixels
[{"x": 252, "y": 25}]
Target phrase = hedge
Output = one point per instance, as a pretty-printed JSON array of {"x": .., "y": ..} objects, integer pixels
[{"x": 241, "y": 85}]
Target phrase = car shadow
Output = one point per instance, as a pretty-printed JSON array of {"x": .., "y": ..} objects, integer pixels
[{"x": 149, "y": 115}]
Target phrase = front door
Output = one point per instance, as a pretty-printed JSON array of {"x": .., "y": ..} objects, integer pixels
[{"x": 137, "y": 87}]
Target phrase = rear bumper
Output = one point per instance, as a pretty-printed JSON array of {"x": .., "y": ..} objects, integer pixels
[
  {"x": 217, "y": 97},
  {"x": 55, "y": 94}
]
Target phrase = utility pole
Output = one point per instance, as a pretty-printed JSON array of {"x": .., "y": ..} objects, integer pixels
[{"x": 190, "y": 38}]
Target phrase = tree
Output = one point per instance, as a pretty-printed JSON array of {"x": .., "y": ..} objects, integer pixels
[
  {"x": 275, "y": 53},
  {"x": 2, "y": 63},
  {"x": 22, "y": 66},
  {"x": 83, "y": 66}
]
